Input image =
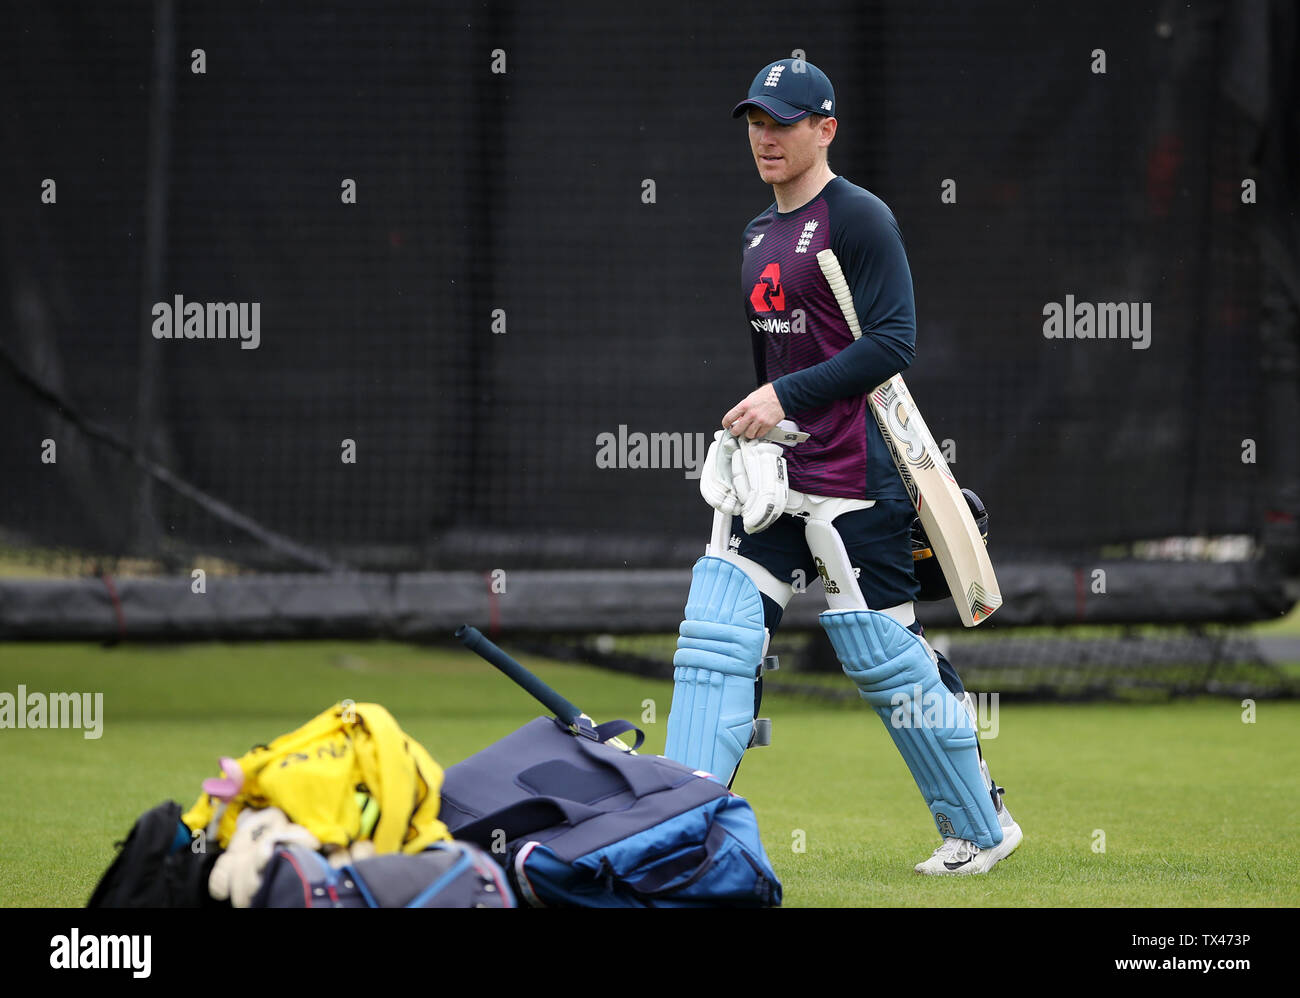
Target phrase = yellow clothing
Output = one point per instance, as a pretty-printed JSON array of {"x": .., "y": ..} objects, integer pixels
[{"x": 325, "y": 774}]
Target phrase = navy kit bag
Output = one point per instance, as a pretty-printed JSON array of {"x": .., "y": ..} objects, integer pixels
[{"x": 578, "y": 822}]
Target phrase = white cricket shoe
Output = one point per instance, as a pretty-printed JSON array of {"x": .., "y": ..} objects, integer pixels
[{"x": 961, "y": 856}]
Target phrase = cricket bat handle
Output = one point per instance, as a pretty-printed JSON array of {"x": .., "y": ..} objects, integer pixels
[
  {"x": 566, "y": 712},
  {"x": 474, "y": 640}
]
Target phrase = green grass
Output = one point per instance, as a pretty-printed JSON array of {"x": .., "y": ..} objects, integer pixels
[{"x": 1198, "y": 808}]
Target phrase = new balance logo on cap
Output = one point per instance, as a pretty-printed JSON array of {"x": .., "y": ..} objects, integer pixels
[{"x": 826, "y": 106}]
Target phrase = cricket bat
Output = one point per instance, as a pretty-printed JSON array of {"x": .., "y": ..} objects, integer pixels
[{"x": 935, "y": 494}]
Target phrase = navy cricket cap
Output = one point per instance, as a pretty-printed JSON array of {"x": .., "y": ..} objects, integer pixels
[{"x": 789, "y": 91}]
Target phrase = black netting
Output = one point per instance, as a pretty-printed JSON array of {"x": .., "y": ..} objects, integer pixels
[{"x": 523, "y": 192}]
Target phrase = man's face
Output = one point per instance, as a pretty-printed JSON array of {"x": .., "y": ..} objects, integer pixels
[{"x": 784, "y": 152}]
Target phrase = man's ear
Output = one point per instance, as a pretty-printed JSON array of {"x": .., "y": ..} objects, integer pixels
[{"x": 827, "y": 131}]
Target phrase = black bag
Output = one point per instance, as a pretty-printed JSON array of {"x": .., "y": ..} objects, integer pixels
[{"x": 156, "y": 868}]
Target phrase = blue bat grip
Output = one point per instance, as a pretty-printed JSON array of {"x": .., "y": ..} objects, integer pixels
[{"x": 474, "y": 640}]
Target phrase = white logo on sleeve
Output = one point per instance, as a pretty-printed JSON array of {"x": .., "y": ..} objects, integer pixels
[
  {"x": 826, "y": 105},
  {"x": 757, "y": 239},
  {"x": 773, "y": 76},
  {"x": 805, "y": 237}
]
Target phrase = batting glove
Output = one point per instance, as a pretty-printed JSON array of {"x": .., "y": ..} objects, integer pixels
[
  {"x": 715, "y": 477},
  {"x": 237, "y": 873},
  {"x": 759, "y": 477}
]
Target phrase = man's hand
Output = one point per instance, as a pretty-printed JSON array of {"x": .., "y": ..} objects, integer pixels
[{"x": 755, "y": 415}]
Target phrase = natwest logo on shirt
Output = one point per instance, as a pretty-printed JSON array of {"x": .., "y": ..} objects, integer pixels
[{"x": 768, "y": 295}]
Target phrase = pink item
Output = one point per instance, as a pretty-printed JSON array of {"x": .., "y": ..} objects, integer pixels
[{"x": 228, "y": 786}]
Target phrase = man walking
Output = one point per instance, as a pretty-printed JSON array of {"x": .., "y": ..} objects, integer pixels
[{"x": 848, "y": 518}]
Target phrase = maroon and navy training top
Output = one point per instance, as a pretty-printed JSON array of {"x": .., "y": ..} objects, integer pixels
[{"x": 803, "y": 345}]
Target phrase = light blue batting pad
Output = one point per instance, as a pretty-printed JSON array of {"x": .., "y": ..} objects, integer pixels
[
  {"x": 719, "y": 651},
  {"x": 895, "y": 674}
]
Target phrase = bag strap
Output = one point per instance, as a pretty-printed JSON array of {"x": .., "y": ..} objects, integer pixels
[
  {"x": 536, "y": 813},
  {"x": 612, "y": 729},
  {"x": 584, "y": 727},
  {"x": 640, "y": 774},
  {"x": 524, "y": 817},
  {"x": 694, "y": 864},
  {"x": 458, "y": 868}
]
